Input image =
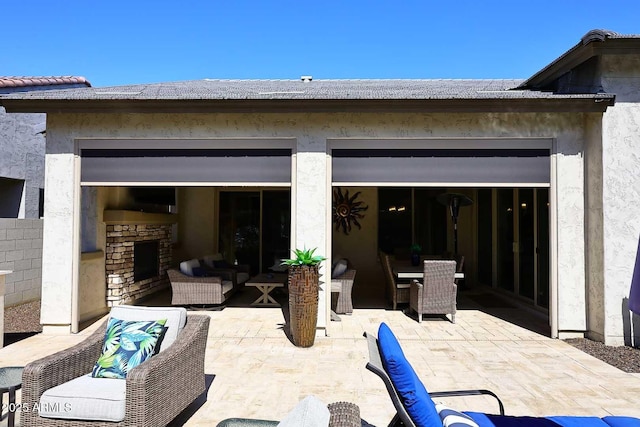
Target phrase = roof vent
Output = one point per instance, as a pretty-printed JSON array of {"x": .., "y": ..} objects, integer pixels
[{"x": 306, "y": 79}]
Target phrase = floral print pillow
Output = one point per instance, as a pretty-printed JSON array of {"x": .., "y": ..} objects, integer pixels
[{"x": 126, "y": 345}]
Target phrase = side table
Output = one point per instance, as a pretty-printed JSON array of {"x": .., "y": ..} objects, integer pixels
[{"x": 10, "y": 381}]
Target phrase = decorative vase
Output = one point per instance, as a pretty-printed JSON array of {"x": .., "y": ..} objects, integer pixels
[
  {"x": 415, "y": 259},
  {"x": 303, "y": 304}
]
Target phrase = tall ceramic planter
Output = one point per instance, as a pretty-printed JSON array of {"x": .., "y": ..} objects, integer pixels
[{"x": 303, "y": 303}]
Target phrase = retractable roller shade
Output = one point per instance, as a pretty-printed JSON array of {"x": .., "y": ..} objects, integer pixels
[
  {"x": 464, "y": 166},
  {"x": 233, "y": 166}
]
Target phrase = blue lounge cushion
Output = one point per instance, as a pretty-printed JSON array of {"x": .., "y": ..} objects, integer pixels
[
  {"x": 413, "y": 394},
  {"x": 489, "y": 420},
  {"x": 453, "y": 418},
  {"x": 617, "y": 421}
]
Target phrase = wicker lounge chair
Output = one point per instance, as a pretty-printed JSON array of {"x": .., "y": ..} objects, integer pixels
[
  {"x": 342, "y": 287},
  {"x": 398, "y": 292},
  {"x": 411, "y": 399},
  {"x": 438, "y": 291},
  {"x": 156, "y": 391}
]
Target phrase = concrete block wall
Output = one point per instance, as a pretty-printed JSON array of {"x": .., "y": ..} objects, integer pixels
[{"x": 21, "y": 252}]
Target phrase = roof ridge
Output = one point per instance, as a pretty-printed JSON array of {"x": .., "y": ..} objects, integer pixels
[{"x": 24, "y": 81}]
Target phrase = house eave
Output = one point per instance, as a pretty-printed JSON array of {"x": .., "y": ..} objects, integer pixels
[
  {"x": 595, "y": 103},
  {"x": 594, "y": 43}
]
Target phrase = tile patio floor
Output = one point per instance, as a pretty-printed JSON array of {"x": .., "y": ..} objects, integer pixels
[{"x": 257, "y": 372}]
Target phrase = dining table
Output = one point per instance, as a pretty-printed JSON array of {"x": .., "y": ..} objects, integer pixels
[{"x": 405, "y": 270}]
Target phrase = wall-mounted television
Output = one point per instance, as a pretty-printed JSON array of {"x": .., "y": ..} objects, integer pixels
[{"x": 154, "y": 195}]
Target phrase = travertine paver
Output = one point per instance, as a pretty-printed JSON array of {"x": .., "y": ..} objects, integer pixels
[{"x": 257, "y": 372}]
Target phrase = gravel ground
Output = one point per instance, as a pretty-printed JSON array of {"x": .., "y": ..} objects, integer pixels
[
  {"x": 25, "y": 318},
  {"x": 624, "y": 358}
]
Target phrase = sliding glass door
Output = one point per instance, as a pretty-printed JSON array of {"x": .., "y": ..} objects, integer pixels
[
  {"x": 254, "y": 227},
  {"x": 520, "y": 223}
]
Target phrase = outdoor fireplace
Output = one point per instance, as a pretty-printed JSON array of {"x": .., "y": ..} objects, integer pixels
[
  {"x": 145, "y": 260},
  {"x": 138, "y": 254}
]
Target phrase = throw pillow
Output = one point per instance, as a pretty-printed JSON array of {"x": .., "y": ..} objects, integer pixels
[
  {"x": 451, "y": 418},
  {"x": 199, "y": 272},
  {"x": 126, "y": 345},
  {"x": 413, "y": 394},
  {"x": 310, "y": 412},
  {"x": 339, "y": 269}
]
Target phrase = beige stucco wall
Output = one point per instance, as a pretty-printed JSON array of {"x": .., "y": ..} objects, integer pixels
[
  {"x": 620, "y": 190},
  {"x": 311, "y": 195}
]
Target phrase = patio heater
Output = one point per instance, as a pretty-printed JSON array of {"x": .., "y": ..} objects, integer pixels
[{"x": 454, "y": 201}]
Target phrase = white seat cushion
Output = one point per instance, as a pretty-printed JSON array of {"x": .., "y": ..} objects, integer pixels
[
  {"x": 86, "y": 398},
  {"x": 176, "y": 319},
  {"x": 186, "y": 267}
]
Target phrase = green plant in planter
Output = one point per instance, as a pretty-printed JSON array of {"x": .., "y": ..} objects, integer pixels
[
  {"x": 416, "y": 248},
  {"x": 304, "y": 257},
  {"x": 303, "y": 295}
]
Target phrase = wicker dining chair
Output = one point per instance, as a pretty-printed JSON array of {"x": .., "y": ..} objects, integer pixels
[
  {"x": 437, "y": 292},
  {"x": 397, "y": 292}
]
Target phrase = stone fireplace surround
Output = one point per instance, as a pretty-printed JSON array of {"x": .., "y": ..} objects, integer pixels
[{"x": 123, "y": 229}]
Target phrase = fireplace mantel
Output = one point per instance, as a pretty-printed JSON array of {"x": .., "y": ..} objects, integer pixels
[{"x": 137, "y": 217}]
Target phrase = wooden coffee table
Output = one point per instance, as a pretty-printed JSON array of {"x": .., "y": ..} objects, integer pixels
[{"x": 267, "y": 282}]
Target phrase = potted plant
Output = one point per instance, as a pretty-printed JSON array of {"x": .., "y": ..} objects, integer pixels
[
  {"x": 303, "y": 295},
  {"x": 416, "y": 249}
]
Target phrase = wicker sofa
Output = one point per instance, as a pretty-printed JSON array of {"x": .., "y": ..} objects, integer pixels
[
  {"x": 199, "y": 283},
  {"x": 178, "y": 370},
  {"x": 192, "y": 290}
]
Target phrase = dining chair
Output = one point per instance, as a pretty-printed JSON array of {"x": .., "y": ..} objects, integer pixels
[
  {"x": 398, "y": 292},
  {"x": 437, "y": 293}
]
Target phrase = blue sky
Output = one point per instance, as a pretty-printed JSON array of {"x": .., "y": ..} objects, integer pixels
[{"x": 120, "y": 42}]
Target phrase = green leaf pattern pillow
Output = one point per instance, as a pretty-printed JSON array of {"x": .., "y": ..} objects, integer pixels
[{"x": 126, "y": 345}]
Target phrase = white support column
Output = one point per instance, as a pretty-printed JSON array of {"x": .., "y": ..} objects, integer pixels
[
  {"x": 2, "y": 292},
  {"x": 59, "y": 251},
  {"x": 310, "y": 212}
]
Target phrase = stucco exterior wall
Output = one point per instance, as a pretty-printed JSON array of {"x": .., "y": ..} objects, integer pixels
[
  {"x": 311, "y": 192},
  {"x": 22, "y": 146},
  {"x": 620, "y": 189}
]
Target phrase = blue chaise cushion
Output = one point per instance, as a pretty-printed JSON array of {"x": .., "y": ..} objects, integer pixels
[
  {"x": 489, "y": 420},
  {"x": 413, "y": 394},
  {"x": 618, "y": 421}
]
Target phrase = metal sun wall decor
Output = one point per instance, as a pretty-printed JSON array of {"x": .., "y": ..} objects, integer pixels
[{"x": 346, "y": 210}]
